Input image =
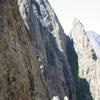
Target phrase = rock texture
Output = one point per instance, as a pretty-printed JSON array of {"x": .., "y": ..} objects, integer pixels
[
  {"x": 87, "y": 62},
  {"x": 20, "y": 78},
  {"x": 33, "y": 57},
  {"x": 38, "y": 61},
  {"x": 95, "y": 42},
  {"x": 49, "y": 41}
]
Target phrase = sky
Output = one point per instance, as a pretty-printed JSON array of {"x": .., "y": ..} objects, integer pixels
[{"x": 87, "y": 11}]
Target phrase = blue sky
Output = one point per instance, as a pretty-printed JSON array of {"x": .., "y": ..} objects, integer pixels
[{"x": 87, "y": 11}]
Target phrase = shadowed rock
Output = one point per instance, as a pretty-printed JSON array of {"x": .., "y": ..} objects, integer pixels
[{"x": 48, "y": 38}]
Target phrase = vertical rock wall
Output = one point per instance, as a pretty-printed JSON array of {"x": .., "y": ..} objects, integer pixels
[
  {"x": 88, "y": 63},
  {"x": 49, "y": 41},
  {"x": 20, "y": 78}
]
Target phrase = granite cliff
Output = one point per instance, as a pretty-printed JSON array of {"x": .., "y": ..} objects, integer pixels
[
  {"x": 33, "y": 55},
  {"x": 38, "y": 61},
  {"x": 88, "y": 63},
  {"x": 49, "y": 41},
  {"x": 95, "y": 42}
]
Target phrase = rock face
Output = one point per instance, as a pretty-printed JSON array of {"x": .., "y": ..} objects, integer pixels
[
  {"x": 49, "y": 41},
  {"x": 38, "y": 61},
  {"x": 20, "y": 78},
  {"x": 95, "y": 42},
  {"x": 87, "y": 62},
  {"x": 33, "y": 56}
]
